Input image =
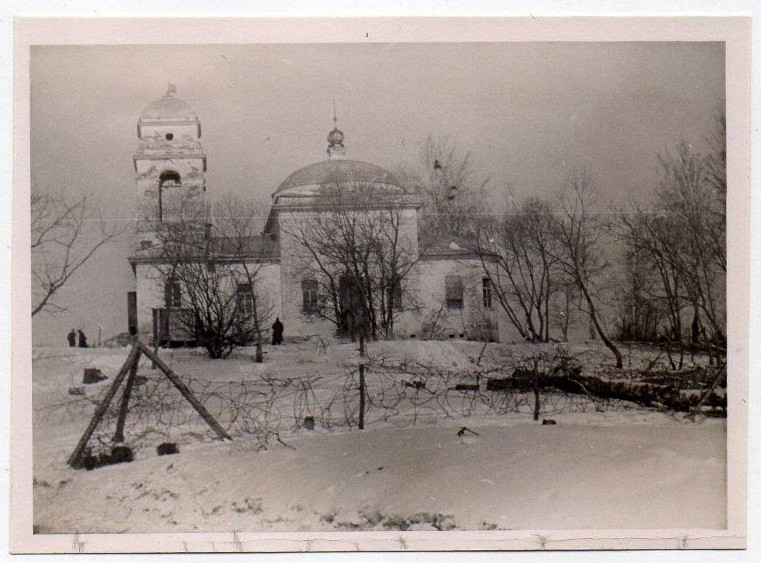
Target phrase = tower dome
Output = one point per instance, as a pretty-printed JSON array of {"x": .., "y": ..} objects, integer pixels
[
  {"x": 336, "y": 138},
  {"x": 169, "y": 108}
]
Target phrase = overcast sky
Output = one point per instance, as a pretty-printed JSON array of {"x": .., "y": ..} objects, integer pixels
[{"x": 528, "y": 112}]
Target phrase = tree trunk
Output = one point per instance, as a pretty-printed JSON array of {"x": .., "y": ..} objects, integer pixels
[
  {"x": 604, "y": 337},
  {"x": 643, "y": 393}
]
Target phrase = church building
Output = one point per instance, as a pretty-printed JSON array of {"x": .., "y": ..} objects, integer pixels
[{"x": 439, "y": 291}]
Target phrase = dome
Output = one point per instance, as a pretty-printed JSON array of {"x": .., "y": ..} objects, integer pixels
[
  {"x": 336, "y": 137},
  {"x": 333, "y": 171},
  {"x": 169, "y": 107}
]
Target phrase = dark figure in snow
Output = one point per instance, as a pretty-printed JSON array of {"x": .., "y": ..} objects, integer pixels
[
  {"x": 695, "y": 329},
  {"x": 82, "y": 340},
  {"x": 277, "y": 332},
  {"x": 72, "y": 338}
]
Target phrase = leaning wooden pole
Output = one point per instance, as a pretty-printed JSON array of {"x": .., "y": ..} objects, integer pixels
[
  {"x": 132, "y": 359},
  {"x": 362, "y": 396},
  {"x": 177, "y": 382},
  {"x": 124, "y": 408}
]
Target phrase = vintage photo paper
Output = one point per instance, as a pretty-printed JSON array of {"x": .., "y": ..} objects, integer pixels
[{"x": 380, "y": 284}]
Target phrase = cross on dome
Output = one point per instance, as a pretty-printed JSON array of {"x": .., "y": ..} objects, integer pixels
[{"x": 336, "y": 146}]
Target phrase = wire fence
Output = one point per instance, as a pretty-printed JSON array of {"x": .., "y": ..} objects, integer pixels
[{"x": 396, "y": 394}]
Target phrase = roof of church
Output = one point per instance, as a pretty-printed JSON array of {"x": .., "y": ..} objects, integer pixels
[
  {"x": 258, "y": 246},
  {"x": 444, "y": 246},
  {"x": 338, "y": 170},
  {"x": 169, "y": 107}
]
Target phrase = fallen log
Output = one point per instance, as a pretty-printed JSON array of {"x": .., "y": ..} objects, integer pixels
[{"x": 598, "y": 387}]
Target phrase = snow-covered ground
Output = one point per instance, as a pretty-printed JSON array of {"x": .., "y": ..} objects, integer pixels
[{"x": 623, "y": 467}]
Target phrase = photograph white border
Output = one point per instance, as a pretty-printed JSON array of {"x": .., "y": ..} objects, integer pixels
[{"x": 735, "y": 32}]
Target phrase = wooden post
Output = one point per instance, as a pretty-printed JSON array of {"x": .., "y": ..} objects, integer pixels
[
  {"x": 119, "y": 434},
  {"x": 177, "y": 382},
  {"x": 536, "y": 389},
  {"x": 156, "y": 340},
  {"x": 132, "y": 358},
  {"x": 361, "y": 396}
]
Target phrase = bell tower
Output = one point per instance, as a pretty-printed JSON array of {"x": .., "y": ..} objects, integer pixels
[{"x": 170, "y": 164}]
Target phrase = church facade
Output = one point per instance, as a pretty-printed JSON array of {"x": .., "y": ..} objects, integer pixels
[{"x": 443, "y": 292}]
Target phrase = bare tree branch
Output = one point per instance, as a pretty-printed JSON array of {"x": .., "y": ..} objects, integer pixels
[{"x": 66, "y": 233}]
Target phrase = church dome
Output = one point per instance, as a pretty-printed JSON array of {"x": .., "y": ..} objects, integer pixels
[
  {"x": 337, "y": 172},
  {"x": 336, "y": 137},
  {"x": 170, "y": 108}
]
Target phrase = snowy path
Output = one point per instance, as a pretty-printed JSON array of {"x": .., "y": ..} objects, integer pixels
[{"x": 662, "y": 474}]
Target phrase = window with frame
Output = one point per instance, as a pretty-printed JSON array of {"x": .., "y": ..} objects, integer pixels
[
  {"x": 454, "y": 292},
  {"x": 309, "y": 296},
  {"x": 395, "y": 296},
  {"x": 172, "y": 293},
  {"x": 487, "y": 293},
  {"x": 245, "y": 299}
]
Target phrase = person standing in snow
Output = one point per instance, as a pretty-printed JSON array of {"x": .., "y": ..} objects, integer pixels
[
  {"x": 82, "y": 339},
  {"x": 277, "y": 332},
  {"x": 72, "y": 338}
]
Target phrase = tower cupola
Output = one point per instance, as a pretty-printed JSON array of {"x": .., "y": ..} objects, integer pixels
[
  {"x": 336, "y": 148},
  {"x": 170, "y": 163}
]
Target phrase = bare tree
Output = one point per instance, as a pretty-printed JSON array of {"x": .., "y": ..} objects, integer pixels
[
  {"x": 452, "y": 192},
  {"x": 696, "y": 211},
  {"x": 682, "y": 237},
  {"x": 237, "y": 223},
  {"x": 577, "y": 229},
  {"x": 358, "y": 249},
  {"x": 213, "y": 276},
  {"x": 66, "y": 233},
  {"x": 516, "y": 256},
  {"x": 650, "y": 235},
  {"x": 639, "y": 313},
  {"x": 715, "y": 163}
]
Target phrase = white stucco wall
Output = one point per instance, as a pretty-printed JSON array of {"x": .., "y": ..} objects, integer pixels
[
  {"x": 179, "y": 130},
  {"x": 149, "y": 285},
  {"x": 296, "y": 263},
  {"x": 470, "y": 321}
]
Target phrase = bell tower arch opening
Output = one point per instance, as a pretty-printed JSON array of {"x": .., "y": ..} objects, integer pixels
[
  {"x": 170, "y": 163},
  {"x": 169, "y": 178}
]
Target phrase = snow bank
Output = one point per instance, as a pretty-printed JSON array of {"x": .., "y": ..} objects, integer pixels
[
  {"x": 615, "y": 469},
  {"x": 525, "y": 476}
]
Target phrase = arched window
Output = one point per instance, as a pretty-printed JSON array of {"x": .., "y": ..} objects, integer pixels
[
  {"x": 245, "y": 299},
  {"x": 309, "y": 296},
  {"x": 487, "y": 293},
  {"x": 453, "y": 287},
  {"x": 394, "y": 295},
  {"x": 169, "y": 178},
  {"x": 172, "y": 293}
]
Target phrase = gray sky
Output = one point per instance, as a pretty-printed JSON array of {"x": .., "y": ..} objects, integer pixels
[{"x": 529, "y": 113}]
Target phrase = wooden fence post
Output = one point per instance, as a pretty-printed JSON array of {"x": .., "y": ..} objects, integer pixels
[
  {"x": 132, "y": 359},
  {"x": 536, "y": 389},
  {"x": 187, "y": 393},
  {"x": 361, "y": 396},
  {"x": 119, "y": 434}
]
